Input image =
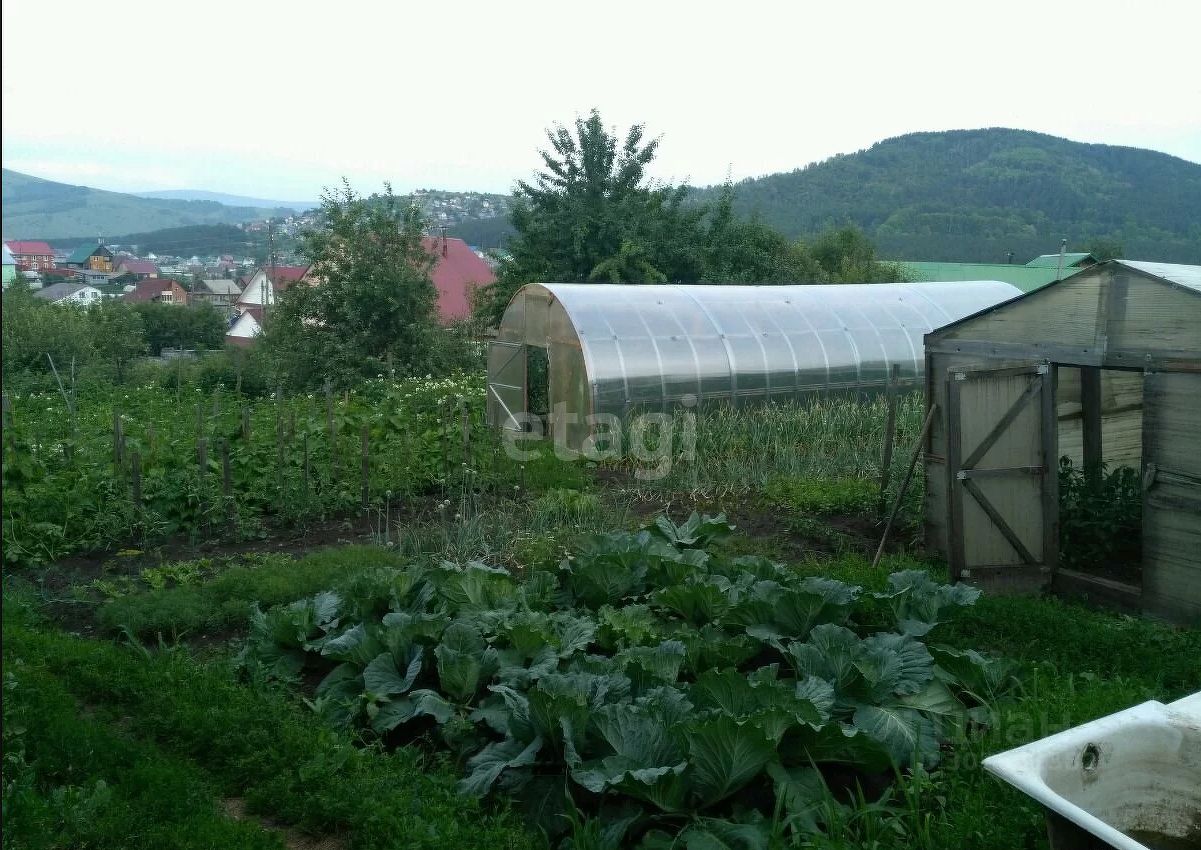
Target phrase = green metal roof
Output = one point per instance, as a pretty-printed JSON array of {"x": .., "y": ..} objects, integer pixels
[
  {"x": 1025, "y": 278},
  {"x": 81, "y": 254},
  {"x": 1069, "y": 260}
]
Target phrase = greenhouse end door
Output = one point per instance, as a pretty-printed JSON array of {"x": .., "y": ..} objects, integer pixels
[
  {"x": 1002, "y": 476},
  {"x": 506, "y": 384}
]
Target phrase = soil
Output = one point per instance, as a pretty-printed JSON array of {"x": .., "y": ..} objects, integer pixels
[{"x": 235, "y": 808}]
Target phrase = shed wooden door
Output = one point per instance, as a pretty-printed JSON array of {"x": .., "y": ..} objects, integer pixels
[
  {"x": 506, "y": 383},
  {"x": 1002, "y": 475},
  {"x": 1172, "y": 495}
]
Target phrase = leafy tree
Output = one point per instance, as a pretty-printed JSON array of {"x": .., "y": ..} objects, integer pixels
[
  {"x": 846, "y": 255},
  {"x": 118, "y": 334},
  {"x": 373, "y": 309},
  {"x": 33, "y": 328},
  {"x": 592, "y": 214},
  {"x": 1105, "y": 249},
  {"x": 170, "y": 326},
  {"x": 749, "y": 251}
]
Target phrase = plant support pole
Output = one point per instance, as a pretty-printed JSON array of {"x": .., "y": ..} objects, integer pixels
[
  {"x": 890, "y": 434},
  {"x": 896, "y": 505}
]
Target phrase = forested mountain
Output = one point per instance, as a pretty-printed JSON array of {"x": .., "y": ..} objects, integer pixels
[
  {"x": 974, "y": 195},
  {"x": 970, "y": 195},
  {"x": 229, "y": 200},
  {"x": 42, "y": 209},
  {"x": 205, "y": 240}
]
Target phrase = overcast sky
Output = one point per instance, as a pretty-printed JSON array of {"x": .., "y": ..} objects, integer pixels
[{"x": 278, "y": 100}]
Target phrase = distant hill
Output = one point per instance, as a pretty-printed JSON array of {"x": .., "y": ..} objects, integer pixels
[
  {"x": 228, "y": 200},
  {"x": 974, "y": 195},
  {"x": 33, "y": 208},
  {"x": 204, "y": 240}
]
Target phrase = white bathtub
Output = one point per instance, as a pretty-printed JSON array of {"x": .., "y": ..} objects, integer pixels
[{"x": 1124, "y": 779}]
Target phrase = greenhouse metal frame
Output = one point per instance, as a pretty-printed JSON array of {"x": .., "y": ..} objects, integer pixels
[{"x": 614, "y": 348}]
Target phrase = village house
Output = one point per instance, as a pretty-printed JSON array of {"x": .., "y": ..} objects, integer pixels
[
  {"x": 161, "y": 290},
  {"x": 457, "y": 271},
  {"x": 262, "y": 286},
  {"x": 247, "y": 326},
  {"x": 221, "y": 293},
  {"x": 70, "y": 293},
  {"x": 95, "y": 258},
  {"x": 31, "y": 256},
  {"x": 10, "y": 267},
  {"x": 136, "y": 269}
]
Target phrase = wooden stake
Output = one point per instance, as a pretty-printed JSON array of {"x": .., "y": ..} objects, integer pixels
[
  {"x": 227, "y": 480},
  {"x": 329, "y": 431},
  {"x": 117, "y": 440},
  {"x": 890, "y": 434},
  {"x": 366, "y": 467},
  {"x": 306, "y": 467},
  {"x": 279, "y": 454},
  {"x": 202, "y": 463},
  {"x": 246, "y": 423},
  {"x": 135, "y": 478},
  {"x": 896, "y": 505}
]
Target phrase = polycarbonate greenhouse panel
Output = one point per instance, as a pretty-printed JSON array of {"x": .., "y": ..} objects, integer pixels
[{"x": 652, "y": 346}]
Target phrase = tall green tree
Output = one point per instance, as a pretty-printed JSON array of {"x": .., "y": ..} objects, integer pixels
[
  {"x": 118, "y": 334},
  {"x": 738, "y": 250},
  {"x": 592, "y": 214},
  {"x": 373, "y": 305},
  {"x": 34, "y": 328},
  {"x": 847, "y": 255}
]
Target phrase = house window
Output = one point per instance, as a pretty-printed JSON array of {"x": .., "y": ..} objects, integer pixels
[{"x": 168, "y": 297}]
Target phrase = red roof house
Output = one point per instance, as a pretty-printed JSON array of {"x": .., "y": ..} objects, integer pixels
[
  {"x": 139, "y": 268},
  {"x": 456, "y": 272},
  {"x": 164, "y": 290},
  {"x": 31, "y": 255}
]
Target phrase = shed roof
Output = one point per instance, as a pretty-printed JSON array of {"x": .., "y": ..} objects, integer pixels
[
  {"x": 1025, "y": 278},
  {"x": 1082, "y": 258},
  {"x": 1188, "y": 276}
]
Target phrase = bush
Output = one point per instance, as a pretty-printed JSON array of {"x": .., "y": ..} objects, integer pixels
[{"x": 1100, "y": 521}]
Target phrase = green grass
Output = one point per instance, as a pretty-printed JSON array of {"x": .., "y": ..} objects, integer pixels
[
  {"x": 251, "y": 742},
  {"x": 77, "y": 781},
  {"x": 225, "y": 600}
]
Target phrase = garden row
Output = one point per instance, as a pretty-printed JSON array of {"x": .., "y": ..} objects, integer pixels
[{"x": 146, "y": 463}]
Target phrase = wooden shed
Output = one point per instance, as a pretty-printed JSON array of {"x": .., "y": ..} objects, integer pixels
[{"x": 1104, "y": 366}]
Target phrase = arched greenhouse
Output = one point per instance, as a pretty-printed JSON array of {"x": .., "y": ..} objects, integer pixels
[{"x": 584, "y": 349}]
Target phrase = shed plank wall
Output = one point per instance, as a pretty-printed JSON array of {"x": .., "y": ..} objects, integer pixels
[
  {"x": 1154, "y": 316},
  {"x": 1121, "y": 417},
  {"x": 1063, "y": 314},
  {"x": 1172, "y": 509}
]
